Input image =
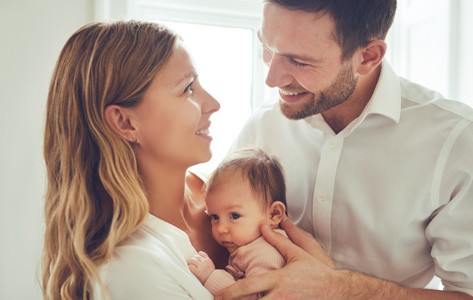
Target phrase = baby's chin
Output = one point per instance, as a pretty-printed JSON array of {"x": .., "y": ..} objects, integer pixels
[{"x": 231, "y": 247}]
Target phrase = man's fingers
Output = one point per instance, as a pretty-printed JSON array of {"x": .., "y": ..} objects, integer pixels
[
  {"x": 297, "y": 235},
  {"x": 306, "y": 241},
  {"x": 283, "y": 244},
  {"x": 248, "y": 286}
]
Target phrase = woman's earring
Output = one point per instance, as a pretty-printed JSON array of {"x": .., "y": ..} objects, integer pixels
[{"x": 134, "y": 142}]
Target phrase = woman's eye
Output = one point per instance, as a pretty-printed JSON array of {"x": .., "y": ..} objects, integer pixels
[
  {"x": 213, "y": 217},
  {"x": 234, "y": 216},
  {"x": 188, "y": 88}
]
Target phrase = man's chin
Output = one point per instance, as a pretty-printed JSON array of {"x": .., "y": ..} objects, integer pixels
[{"x": 294, "y": 113}]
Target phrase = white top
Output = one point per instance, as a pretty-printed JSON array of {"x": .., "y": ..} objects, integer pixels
[
  {"x": 392, "y": 194},
  {"x": 152, "y": 264}
]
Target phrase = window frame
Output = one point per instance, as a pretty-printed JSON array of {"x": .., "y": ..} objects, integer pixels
[
  {"x": 238, "y": 13},
  {"x": 445, "y": 13}
]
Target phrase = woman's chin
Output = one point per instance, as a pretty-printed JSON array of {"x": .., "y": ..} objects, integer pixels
[{"x": 205, "y": 157}]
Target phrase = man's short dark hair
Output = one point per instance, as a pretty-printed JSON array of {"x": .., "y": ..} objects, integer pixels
[{"x": 357, "y": 22}]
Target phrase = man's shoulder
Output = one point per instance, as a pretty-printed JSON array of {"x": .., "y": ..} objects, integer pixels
[
  {"x": 456, "y": 108},
  {"x": 416, "y": 95}
]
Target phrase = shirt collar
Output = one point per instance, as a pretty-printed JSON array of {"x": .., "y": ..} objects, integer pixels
[
  {"x": 386, "y": 98},
  {"x": 385, "y": 101}
]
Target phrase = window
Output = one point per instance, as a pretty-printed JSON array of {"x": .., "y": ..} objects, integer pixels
[{"x": 422, "y": 44}]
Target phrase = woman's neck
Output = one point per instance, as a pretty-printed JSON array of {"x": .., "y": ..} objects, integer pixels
[
  {"x": 165, "y": 190},
  {"x": 178, "y": 198}
]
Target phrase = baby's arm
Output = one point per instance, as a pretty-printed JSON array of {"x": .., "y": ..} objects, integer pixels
[
  {"x": 204, "y": 269},
  {"x": 201, "y": 266}
]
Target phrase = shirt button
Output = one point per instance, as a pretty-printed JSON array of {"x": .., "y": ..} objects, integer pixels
[
  {"x": 323, "y": 197},
  {"x": 332, "y": 144}
]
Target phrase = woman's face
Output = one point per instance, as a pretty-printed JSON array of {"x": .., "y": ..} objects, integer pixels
[{"x": 172, "y": 120}]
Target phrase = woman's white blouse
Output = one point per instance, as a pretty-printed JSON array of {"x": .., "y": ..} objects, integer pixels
[{"x": 152, "y": 264}]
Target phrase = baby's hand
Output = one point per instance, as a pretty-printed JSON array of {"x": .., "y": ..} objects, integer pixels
[{"x": 201, "y": 266}]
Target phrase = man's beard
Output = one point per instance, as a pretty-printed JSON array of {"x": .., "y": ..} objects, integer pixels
[{"x": 339, "y": 91}]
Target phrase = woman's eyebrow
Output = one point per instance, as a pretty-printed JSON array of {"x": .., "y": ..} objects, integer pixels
[{"x": 191, "y": 74}]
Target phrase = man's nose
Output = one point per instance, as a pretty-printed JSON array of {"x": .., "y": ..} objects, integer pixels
[{"x": 277, "y": 74}]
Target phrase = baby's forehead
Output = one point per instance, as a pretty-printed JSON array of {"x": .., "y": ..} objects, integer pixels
[
  {"x": 230, "y": 203},
  {"x": 234, "y": 180},
  {"x": 224, "y": 182},
  {"x": 229, "y": 173}
]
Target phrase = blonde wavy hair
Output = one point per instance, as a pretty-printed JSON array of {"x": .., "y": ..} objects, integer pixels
[{"x": 95, "y": 197}]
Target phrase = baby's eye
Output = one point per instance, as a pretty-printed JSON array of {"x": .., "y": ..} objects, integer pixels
[
  {"x": 213, "y": 217},
  {"x": 234, "y": 216}
]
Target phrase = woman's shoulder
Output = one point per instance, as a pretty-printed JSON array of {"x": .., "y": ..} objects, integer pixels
[
  {"x": 145, "y": 245},
  {"x": 150, "y": 264},
  {"x": 154, "y": 241}
]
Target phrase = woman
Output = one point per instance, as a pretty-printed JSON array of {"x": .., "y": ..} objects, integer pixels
[{"x": 126, "y": 117}]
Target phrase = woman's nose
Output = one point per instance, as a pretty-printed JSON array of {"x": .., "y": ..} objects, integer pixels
[{"x": 210, "y": 104}]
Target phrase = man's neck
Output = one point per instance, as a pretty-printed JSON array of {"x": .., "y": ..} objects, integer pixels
[{"x": 340, "y": 116}]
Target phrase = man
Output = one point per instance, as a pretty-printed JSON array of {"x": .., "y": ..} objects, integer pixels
[{"x": 378, "y": 168}]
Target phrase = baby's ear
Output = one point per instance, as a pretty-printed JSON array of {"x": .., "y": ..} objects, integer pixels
[{"x": 277, "y": 211}]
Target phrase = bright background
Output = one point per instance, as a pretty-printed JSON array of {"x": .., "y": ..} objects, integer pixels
[{"x": 32, "y": 34}]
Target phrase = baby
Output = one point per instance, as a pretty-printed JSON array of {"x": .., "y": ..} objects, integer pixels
[{"x": 246, "y": 191}]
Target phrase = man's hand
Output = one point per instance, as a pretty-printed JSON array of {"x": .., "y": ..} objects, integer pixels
[
  {"x": 201, "y": 266},
  {"x": 306, "y": 275},
  {"x": 302, "y": 239},
  {"x": 311, "y": 274}
]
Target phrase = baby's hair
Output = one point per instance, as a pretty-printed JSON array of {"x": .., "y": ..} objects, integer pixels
[{"x": 263, "y": 172}]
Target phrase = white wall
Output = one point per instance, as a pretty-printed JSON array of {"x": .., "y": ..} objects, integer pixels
[
  {"x": 31, "y": 36},
  {"x": 465, "y": 50}
]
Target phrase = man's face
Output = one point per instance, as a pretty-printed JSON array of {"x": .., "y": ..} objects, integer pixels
[{"x": 304, "y": 61}]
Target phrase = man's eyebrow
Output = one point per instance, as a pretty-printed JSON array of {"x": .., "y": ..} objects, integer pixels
[{"x": 303, "y": 58}]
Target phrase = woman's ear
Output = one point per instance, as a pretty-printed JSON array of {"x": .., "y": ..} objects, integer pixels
[
  {"x": 117, "y": 118},
  {"x": 277, "y": 211},
  {"x": 371, "y": 56}
]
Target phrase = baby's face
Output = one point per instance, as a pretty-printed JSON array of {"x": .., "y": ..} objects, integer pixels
[{"x": 236, "y": 214}]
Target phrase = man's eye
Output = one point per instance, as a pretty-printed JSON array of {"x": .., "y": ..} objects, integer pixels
[
  {"x": 213, "y": 217},
  {"x": 297, "y": 64},
  {"x": 234, "y": 216}
]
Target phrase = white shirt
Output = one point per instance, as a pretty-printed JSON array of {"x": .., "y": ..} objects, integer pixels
[
  {"x": 152, "y": 264},
  {"x": 392, "y": 194}
]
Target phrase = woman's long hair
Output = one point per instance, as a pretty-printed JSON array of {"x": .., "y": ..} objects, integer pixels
[{"x": 95, "y": 197}]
